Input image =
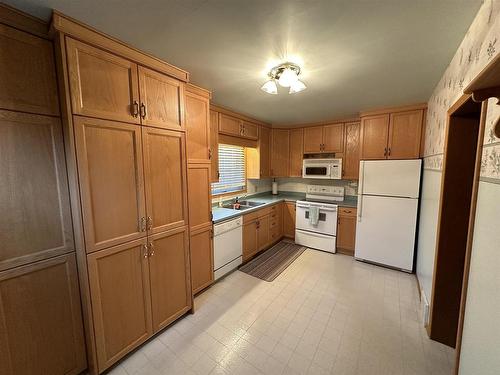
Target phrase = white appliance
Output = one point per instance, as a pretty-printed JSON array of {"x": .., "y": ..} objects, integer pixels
[
  {"x": 388, "y": 197},
  {"x": 322, "y": 234},
  {"x": 322, "y": 168},
  {"x": 228, "y": 248}
]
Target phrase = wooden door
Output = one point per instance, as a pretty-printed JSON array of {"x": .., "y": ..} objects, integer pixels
[
  {"x": 202, "y": 259},
  {"x": 313, "y": 139},
  {"x": 28, "y": 73},
  {"x": 161, "y": 100},
  {"x": 333, "y": 138},
  {"x": 250, "y": 131},
  {"x": 249, "y": 239},
  {"x": 374, "y": 137},
  {"x": 214, "y": 146},
  {"x": 289, "y": 220},
  {"x": 121, "y": 300},
  {"x": 102, "y": 85},
  {"x": 41, "y": 329},
  {"x": 170, "y": 276},
  {"x": 350, "y": 162},
  {"x": 165, "y": 179},
  {"x": 346, "y": 229},
  {"x": 110, "y": 173},
  {"x": 280, "y": 150},
  {"x": 34, "y": 197},
  {"x": 296, "y": 152},
  {"x": 229, "y": 125},
  {"x": 405, "y": 132},
  {"x": 199, "y": 196},
  {"x": 265, "y": 152},
  {"x": 197, "y": 128},
  {"x": 263, "y": 238}
]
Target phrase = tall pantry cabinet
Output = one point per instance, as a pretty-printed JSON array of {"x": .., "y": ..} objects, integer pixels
[{"x": 127, "y": 147}]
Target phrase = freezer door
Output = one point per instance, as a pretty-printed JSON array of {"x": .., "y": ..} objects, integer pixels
[
  {"x": 395, "y": 178},
  {"x": 385, "y": 232}
]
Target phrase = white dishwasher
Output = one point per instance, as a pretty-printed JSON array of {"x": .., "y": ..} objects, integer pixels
[{"x": 227, "y": 246}]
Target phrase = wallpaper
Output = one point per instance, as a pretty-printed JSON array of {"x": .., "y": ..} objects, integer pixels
[{"x": 480, "y": 45}]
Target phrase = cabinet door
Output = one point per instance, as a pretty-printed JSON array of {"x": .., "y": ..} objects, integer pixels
[
  {"x": 214, "y": 146},
  {"x": 249, "y": 239},
  {"x": 263, "y": 238},
  {"x": 165, "y": 179},
  {"x": 313, "y": 139},
  {"x": 101, "y": 84},
  {"x": 197, "y": 128},
  {"x": 170, "y": 276},
  {"x": 350, "y": 163},
  {"x": 28, "y": 73},
  {"x": 346, "y": 233},
  {"x": 296, "y": 152},
  {"x": 41, "y": 330},
  {"x": 265, "y": 152},
  {"x": 405, "y": 131},
  {"x": 110, "y": 172},
  {"x": 280, "y": 152},
  {"x": 229, "y": 125},
  {"x": 202, "y": 259},
  {"x": 121, "y": 300},
  {"x": 161, "y": 100},
  {"x": 333, "y": 138},
  {"x": 34, "y": 197},
  {"x": 199, "y": 196},
  {"x": 289, "y": 220},
  {"x": 374, "y": 137},
  {"x": 250, "y": 131}
]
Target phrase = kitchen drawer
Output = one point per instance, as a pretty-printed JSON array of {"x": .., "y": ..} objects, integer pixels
[
  {"x": 274, "y": 223},
  {"x": 347, "y": 211},
  {"x": 251, "y": 216}
]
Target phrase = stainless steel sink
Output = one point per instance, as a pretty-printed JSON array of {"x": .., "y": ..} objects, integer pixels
[
  {"x": 244, "y": 205},
  {"x": 251, "y": 204}
]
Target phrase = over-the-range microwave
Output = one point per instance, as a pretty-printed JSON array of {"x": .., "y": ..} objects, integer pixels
[{"x": 322, "y": 168}]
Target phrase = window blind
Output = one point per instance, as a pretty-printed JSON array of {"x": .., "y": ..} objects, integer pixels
[{"x": 231, "y": 170}]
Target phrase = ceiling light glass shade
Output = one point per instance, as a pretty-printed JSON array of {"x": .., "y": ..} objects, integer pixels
[
  {"x": 270, "y": 87},
  {"x": 287, "y": 78},
  {"x": 297, "y": 86}
]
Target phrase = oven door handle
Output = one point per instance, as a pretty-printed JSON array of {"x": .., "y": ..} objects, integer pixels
[{"x": 320, "y": 208}]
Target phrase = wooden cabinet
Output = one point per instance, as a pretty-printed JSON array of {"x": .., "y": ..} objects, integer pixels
[
  {"x": 34, "y": 195},
  {"x": 229, "y": 125},
  {"x": 327, "y": 138},
  {"x": 313, "y": 139},
  {"x": 263, "y": 232},
  {"x": 197, "y": 127},
  {"x": 202, "y": 262},
  {"x": 405, "y": 132},
  {"x": 350, "y": 162},
  {"x": 28, "y": 74},
  {"x": 374, "y": 136},
  {"x": 289, "y": 219},
  {"x": 276, "y": 223},
  {"x": 110, "y": 172},
  {"x": 346, "y": 230},
  {"x": 102, "y": 84},
  {"x": 258, "y": 159},
  {"x": 214, "y": 146},
  {"x": 161, "y": 100},
  {"x": 249, "y": 130},
  {"x": 199, "y": 193},
  {"x": 280, "y": 149},
  {"x": 249, "y": 238},
  {"x": 296, "y": 152},
  {"x": 41, "y": 329},
  {"x": 165, "y": 179}
]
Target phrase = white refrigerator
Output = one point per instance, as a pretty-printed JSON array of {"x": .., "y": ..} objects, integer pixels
[{"x": 388, "y": 195}]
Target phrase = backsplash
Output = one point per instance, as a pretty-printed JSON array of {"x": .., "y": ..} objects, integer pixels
[{"x": 299, "y": 184}]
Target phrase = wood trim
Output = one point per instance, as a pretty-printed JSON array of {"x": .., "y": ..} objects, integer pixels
[
  {"x": 193, "y": 89},
  {"x": 487, "y": 78},
  {"x": 237, "y": 141},
  {"x": 23, "y": 21},
  {"x": 79, "y": 30},
  {"x": 383, "y": 110},
  {"x": 229, "y": 112},
  {"x": 319, "y": 123}
]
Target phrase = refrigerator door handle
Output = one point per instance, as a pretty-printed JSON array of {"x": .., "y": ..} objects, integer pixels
[
  {"x": 360, "y": 189},
  {"x": 360, "y": 207}
]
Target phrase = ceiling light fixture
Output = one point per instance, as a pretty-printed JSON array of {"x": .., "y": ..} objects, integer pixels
[{"x": 287, "y": 75}]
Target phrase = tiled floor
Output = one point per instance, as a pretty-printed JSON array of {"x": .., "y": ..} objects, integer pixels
[{"x": 326, "y": 314}]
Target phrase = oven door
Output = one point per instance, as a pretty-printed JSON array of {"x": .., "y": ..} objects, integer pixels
[
  {"x": 316, "y": 170},
  {"x": 327, "y": 223}
]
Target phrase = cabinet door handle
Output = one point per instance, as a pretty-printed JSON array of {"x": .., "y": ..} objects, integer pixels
[
  {"x": 385, "y": 151},
  {"x": 143, "y": 111},
  {"x": 151, "y": 247},
  {"x": 347, "y": 211},
  {"x": 135, "y": 109},
  {"x": 149, "y": 223},
  {"x": 142, "y": 224},
  {"x": 145, "y": 251},
  {"x": 209, "y": 153},
  {"x": 389, "y": 151}
]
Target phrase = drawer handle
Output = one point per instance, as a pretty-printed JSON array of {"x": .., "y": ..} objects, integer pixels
[{"x": 347, "y": 211}]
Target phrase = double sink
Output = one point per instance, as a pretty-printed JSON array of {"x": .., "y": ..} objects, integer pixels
[{"x": 244, "y": 205}]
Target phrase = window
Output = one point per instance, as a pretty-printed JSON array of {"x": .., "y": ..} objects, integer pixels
[{"x": 231, "y": 170}]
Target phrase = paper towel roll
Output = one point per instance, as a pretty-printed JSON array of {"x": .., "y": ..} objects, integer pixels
[{"x": 275, "y": 188}]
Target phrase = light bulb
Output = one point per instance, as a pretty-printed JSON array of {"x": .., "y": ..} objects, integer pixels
[
  {"x": 270, "y": 87},
  {"x": 287, "y": 77},
  {"x": 297, "y": 86}
]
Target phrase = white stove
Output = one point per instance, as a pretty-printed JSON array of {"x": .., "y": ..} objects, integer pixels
[{"x": 316, "y": 217}]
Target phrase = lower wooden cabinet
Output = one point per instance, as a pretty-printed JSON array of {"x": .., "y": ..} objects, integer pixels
[
  {"x": 346, "y": 230},
  {"x": 249, "y": 239},
  {"x": 41, "y": 330},
  {"x": 202, "y": 258},
  {"x": 289, "y": 219},
  {"x": 276, "y": 223},
  {"x": 263, "y": 232}
]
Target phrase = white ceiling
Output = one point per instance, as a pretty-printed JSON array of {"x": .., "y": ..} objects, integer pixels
[{"x": 355, "y": 54}]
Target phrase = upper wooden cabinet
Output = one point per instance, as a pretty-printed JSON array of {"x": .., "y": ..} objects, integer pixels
[
  {"x": 296, "y": 152},
  {"x": 258, "y": 159},
  {"x": 280, "y": 147},
  {"x": 249, "y": 130},
  {"x": 41, "y": 330},
  {"x": 327, "y": 138},
  {"x": 161, "y": 100},
  {"x": 34, "y": 195},
  {"x": 229, "y": 125},
  {"x": 214, "y": 146},
  {"x": 102, "y": 85},
  {"x": 197, "y": 127},
  {"x": 374, "y": 136},
  {"x": 350, "y": 162},
  {"x": 110, "y": 172},
  {"x": 28, "y": 75}
]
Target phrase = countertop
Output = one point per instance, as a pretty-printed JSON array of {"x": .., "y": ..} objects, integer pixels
[{"x": 220, "y": 214}]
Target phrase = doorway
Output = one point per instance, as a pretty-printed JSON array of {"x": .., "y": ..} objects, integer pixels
[{"x": 461, "y": 167}]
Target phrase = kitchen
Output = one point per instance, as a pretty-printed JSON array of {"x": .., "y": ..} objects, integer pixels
[{"x": 164, "y": 220}]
